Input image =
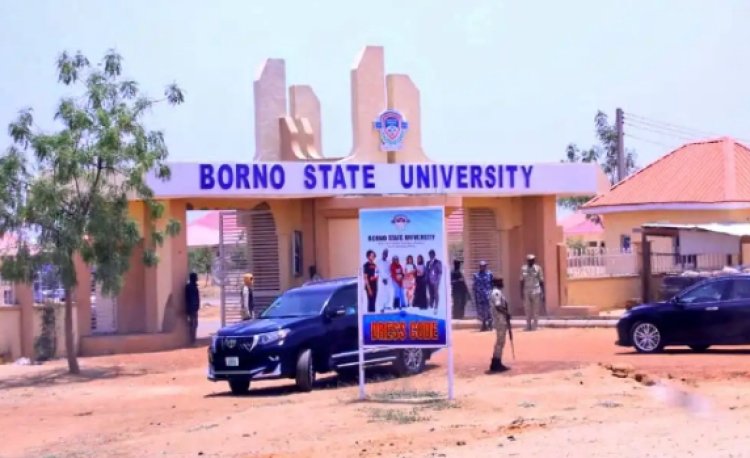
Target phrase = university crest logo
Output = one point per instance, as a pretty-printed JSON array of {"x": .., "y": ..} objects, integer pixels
[
  {"x": 392, "y": 128},
  {"x": 400, "y": 221}
]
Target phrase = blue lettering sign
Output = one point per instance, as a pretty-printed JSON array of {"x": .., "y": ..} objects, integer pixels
[
  {"x": 309, "y": 174},
  {"x": 368, "y": 176},
  {"x": 526, "y": 170},
  {"x": 357, "y": 177},
  {"x": 242, "y": 180},
  {"x": 207, "y": 176},
  {"x": 225, "y": 176},
  {"x": 278, "y": 177}
]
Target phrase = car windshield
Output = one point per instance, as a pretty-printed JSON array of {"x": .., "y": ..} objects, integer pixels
[{"x": 301, "y": 302}]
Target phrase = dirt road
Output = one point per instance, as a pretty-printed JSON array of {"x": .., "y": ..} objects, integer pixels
[{"x": 555, "y": 402}]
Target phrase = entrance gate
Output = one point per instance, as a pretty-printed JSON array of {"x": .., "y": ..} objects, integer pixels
[{"x": 248, "y": 243}]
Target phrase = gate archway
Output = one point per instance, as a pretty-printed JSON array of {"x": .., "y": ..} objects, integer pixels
[{"x": 248, "y": 243}]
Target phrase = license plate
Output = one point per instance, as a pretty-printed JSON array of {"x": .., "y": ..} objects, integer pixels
[{"x": 232, "y": 361}]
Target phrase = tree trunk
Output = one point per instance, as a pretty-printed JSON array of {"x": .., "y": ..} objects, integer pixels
[{"x": 70, "y": 348}]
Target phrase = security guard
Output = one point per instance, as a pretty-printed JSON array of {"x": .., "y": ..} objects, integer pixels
[
  {"x": 532, "y": 291},
  {"x": 482, "y": 290},
  {"x": 501, "y": 319}
]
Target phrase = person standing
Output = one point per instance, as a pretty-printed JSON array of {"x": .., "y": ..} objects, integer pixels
[
  {"x": 501, "y": 319},
  {"x": 397, "y": 279},
  {"x": 385, "y": 290},
  {"x": 434, "y": 275},
  {"x": 247, "y": 301},
  {"x": 482, "y": 290},
  {"x": 370, "y": 271},
  {"x": 532, "y": 291},
  {"x": 192, "y": 305},
  {"x": 409, "y": 280},
  {"x": 459, "y": 291},
  {"x": 314, "y": 275},
  {"x": 420, "y": 285}
]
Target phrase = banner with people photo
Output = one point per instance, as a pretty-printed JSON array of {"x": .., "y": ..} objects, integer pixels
[{"x": 404, "y": 278}]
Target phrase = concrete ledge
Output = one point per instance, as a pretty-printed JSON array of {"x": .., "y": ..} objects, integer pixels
[{"x": 100, "y": 345}]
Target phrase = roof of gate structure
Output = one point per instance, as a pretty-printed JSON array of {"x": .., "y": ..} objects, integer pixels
[
  {"x": 288, "y": 124},
  {"x": 289, "y": 162}
]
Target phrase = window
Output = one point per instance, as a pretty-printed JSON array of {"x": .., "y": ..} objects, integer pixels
[
  {"x": 740, "y": 290},
  {"x": 711, "y": 292},
  {"x": 625, "y": 243},
  {"x": 297, "y": 253},
  {"x": 345, "y": 298}
]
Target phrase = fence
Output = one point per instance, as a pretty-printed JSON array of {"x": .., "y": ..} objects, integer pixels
[
  {"x": 674, "y": 263},
  {"x": 598, "y": 262}
]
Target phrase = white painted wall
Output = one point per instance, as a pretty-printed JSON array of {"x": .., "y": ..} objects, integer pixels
[{"x": 699, "y": 242}]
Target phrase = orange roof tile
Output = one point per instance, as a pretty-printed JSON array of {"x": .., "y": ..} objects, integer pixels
[{"x": 705, "y": 172}]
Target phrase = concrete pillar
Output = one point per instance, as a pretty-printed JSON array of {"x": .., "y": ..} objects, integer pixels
[
  {"x": 131, "y": 302},
  {"x": 269, "y": 90},
  {"x": 368, "y": 101},
  {"x": 303, "y": 103},
  {"x": 25, "y": 299},
  {"x": 403, "y": 95},
  {"x": 82, "y": 296},
  {"x": 541, "y": 235}
]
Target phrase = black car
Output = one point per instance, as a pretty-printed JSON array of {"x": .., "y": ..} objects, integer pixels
[
  {"x": 715, "y": 311},
  {"x": 307, "y": 330}
]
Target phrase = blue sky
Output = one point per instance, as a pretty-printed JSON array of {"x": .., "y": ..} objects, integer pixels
[{"x": 500, "y": 80}]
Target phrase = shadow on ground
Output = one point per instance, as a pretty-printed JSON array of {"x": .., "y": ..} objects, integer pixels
[
  {"x": 328, "y": 382},
  {"x": 61, "y": 375}
]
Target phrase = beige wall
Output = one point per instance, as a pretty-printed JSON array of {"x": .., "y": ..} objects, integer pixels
[
  {"x": 10, "y": 333},
  {"x": 343, "y": 240},
  {"x": 604, "y": 293},
  {"x": 617, "y": 224},
  {"x": 11, "y": 329}
]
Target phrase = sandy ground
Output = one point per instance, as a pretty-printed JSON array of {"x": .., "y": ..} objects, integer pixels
[{"x": 557, "y": 401}]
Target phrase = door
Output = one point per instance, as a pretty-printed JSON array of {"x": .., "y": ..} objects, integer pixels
[
  {"x": 342, "y": 325},
  {"x": 733, "y": 316},
  {"x": 699, "y": 314}
]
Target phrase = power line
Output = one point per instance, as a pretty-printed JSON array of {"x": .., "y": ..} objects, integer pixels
[
  {"x": 675, "y": 130},
  {"x": 659, "y": 131},
  {"x": 653, "y": 142},
  {"x": 670, "y": 126}
]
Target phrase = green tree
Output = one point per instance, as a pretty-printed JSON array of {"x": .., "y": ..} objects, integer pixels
[
  {"x": 201, "y": 261},
  {"x": 604, "y": 154},
  {"x": 65, "y": 193}
]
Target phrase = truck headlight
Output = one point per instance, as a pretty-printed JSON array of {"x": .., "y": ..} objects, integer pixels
[{"x": 269, "y": 338}]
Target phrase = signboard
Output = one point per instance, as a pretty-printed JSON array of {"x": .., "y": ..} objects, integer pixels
[
  {"x": 392, "y": 127},
  {"x": 404, "y": 280},
  {"x": 309, "y": 179},
  {"x": 405, "y": 276}
]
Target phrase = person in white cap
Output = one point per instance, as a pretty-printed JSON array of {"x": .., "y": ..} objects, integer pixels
[{"x": 532, "y": 291}]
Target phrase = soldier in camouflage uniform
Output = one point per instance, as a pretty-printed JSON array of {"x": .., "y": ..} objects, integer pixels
[
  {"x": 482, "y": 289},
  {"x": 501, "y": 318},
  {"x": 532, "y": 291}
]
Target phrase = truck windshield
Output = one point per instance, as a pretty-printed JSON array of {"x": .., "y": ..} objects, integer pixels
[{"x": 297, "y": 303}]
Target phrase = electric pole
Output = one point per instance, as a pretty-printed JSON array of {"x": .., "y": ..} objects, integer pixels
[{"x": 621, "y": 165}]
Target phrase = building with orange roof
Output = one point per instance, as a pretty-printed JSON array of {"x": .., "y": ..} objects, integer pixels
[{"x": 701, "y": 182}]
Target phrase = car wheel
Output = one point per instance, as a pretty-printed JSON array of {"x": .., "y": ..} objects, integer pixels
[
  {"x": 305, "y": 377},
  {"x": 647, "y": 338},
  {"x": 239, "y": 386},
  {"x": 699, "y": 348},
  {"x": 410, "y": 361}
]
